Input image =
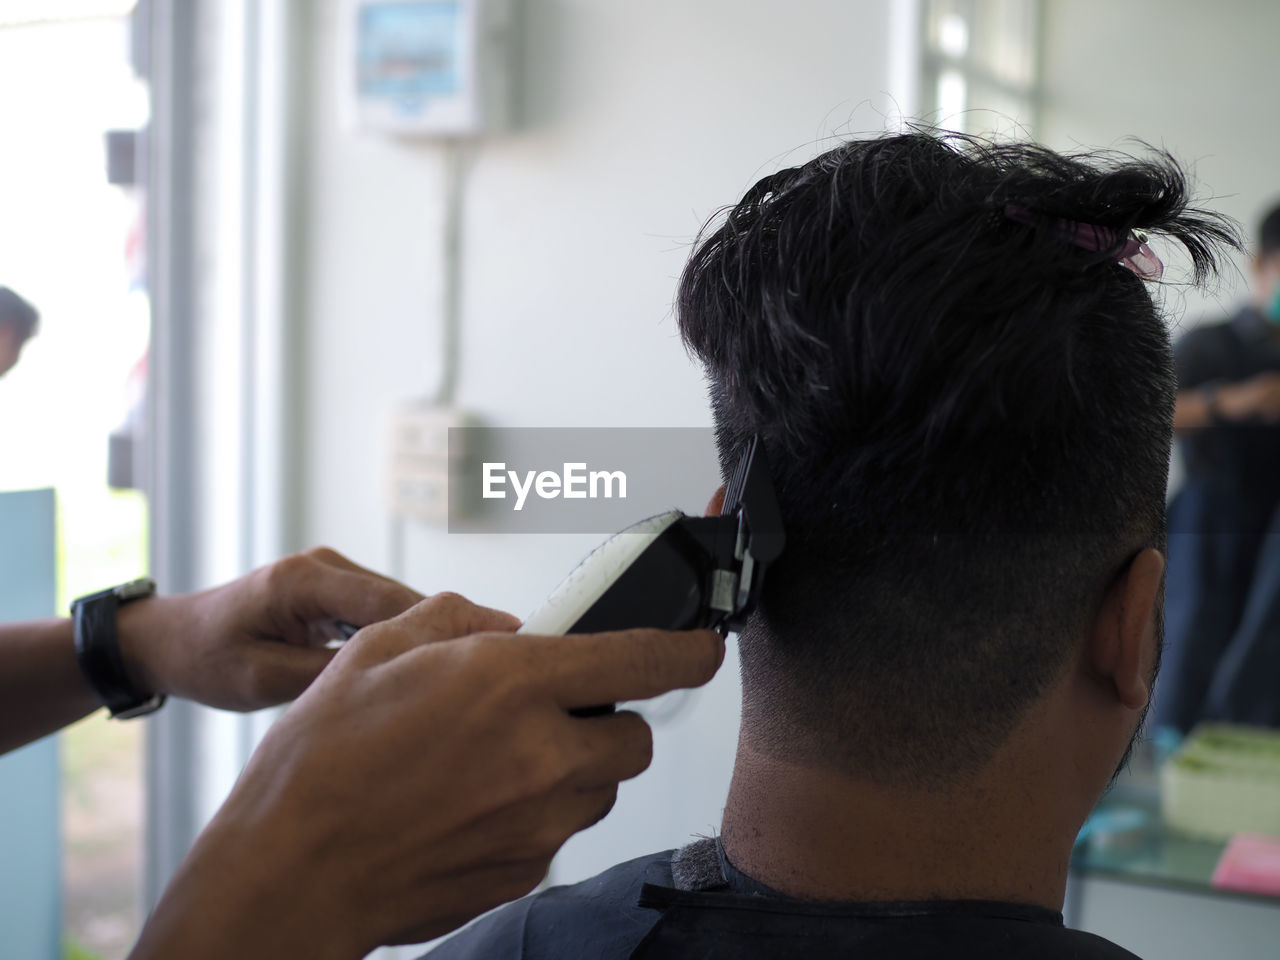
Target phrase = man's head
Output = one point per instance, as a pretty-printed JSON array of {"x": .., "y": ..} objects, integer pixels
[
  {"x": 18, "y": 324},
  {"x": 1266, "y": 265},
  {"x": 969, "y": 420}
]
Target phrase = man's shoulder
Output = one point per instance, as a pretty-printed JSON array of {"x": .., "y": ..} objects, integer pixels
[
  {"x": 601, "y": 919},
  {"x": 1081, "y": 943},
  {"x": 764, "y": 929},
  {"x": 597, "y": 918},
  {"x": 1012, "y": 936}
]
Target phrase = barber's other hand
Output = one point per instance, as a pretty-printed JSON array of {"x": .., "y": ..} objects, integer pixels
[
  {"x": 257, "y": 641},
  {"x": 417, "y": 784},
  {"x": 1257, "y": 398}
]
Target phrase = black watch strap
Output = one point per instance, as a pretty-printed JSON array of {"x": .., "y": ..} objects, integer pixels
[{"x": 98, "y": 650}]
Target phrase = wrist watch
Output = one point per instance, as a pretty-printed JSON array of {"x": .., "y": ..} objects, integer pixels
[{"x": 98, "y": 649}]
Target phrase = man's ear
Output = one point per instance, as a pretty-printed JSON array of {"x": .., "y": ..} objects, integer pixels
[
  {"x": 1122, "y": 643},
  {"x": 716, "y": 503}
]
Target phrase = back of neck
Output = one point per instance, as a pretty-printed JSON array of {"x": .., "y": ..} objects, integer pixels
[{"x": 820, "y": 834}]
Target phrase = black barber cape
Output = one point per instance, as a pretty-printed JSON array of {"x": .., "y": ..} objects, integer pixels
[{"x": 693, "y": 903}]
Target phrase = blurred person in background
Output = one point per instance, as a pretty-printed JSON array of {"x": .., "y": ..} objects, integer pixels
[
  {"x": 19, "y": 322},
  {"x": 1223, "y": 612}
]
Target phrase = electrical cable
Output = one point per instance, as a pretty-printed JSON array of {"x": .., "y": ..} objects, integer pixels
[
  {"x": 456, "y": 161},
  {"x": 396, "y": 548},
  {"x": 457, "y": 157}
]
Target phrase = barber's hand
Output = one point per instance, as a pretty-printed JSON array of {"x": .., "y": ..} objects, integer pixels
[
  {"x": 419, "y": 782},
  {"x": 1257, "y": 398},
  {"x": 257, "y": 641}
]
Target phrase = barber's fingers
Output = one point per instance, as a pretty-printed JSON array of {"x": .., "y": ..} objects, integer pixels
[
  {"x": 599, "y": 803},
  {"x": 333, "y": 558},
  {"x": 541, "y": 827},
  {"x": 583, "y": 670},
  {"x": 447, "y": 616},
  {"x": 444, "y": 616},
  {"x": 311, "y": 589},
  {"x": 275, "y": 672},
  {"x": 614, "y": 747},
  {"x": 362, "y": 598}
]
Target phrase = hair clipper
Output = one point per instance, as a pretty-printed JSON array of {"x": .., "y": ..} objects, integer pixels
[{"x": 673, "y": 571}]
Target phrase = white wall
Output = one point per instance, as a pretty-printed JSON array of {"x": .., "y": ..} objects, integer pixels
[
  {"x": 641, "y": 120},
  {"x": 1197, "y": 78}
]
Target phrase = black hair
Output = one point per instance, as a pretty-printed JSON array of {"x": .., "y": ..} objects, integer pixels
[
  {"x": 1269, "y": 233},
  {"x": 968, "y": 418},
  {"x": 15, "y": 310}
]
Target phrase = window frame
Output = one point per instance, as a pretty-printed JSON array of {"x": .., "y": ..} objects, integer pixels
[{"x": 935, "y": 63}]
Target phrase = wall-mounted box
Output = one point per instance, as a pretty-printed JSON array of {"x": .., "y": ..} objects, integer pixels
[{"x": 429, "y": 68}]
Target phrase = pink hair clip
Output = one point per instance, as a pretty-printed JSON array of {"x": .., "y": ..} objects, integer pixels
[{"x": 1135, "y": 254}]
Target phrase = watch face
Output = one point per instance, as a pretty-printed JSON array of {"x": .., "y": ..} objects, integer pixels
[
  {"x": 135, "y": 589},
  {"x": 150, "y": 705}
]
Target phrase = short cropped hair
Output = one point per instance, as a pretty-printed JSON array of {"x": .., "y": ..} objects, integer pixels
[
  {"x": 968, "y": 418},
  {"x": 15, "y": 310}
]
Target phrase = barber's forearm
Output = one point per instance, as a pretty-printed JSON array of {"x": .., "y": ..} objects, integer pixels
[
  {"x": 243, "y": 891},
  {"x": 41, "y": 687},
  {"x": 1192, "y": 411}
]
